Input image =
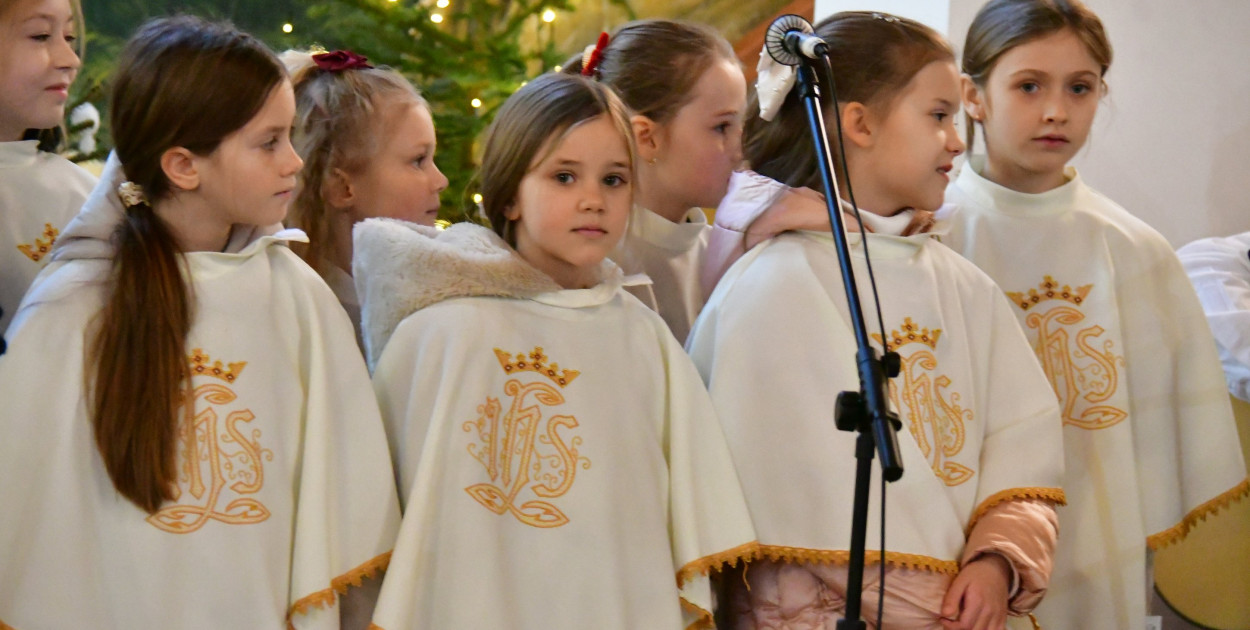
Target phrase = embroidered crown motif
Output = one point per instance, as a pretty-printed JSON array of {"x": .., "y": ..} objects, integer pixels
[
  {"x": 536, "y": 361},
  {"x": 200, "y": 365},
  {"x": 911, "y": 333},
  {"x": 1049, "y": 290},
  {"x": 40, "y": 248}
]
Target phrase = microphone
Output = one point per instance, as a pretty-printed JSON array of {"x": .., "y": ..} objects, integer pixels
[{"x": 790, "y": 38}]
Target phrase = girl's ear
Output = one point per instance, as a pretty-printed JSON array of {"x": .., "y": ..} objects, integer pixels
[
  {"x": 857, "y": 127},
  {"x": 337, "y": 189},
  {"x": 973, "y": 98},
  {"x": 511, "y": 213},
  {"x": 181, "y": 168},
  {"x": 647, "y": 136}
]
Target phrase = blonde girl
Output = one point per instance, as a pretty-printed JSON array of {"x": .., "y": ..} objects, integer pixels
[
  {"x": 40, "y": 43},
  {"x": 367, "y": 140}
]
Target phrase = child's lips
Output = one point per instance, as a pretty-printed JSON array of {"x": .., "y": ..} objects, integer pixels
[{"x": 1052, "y": 140}]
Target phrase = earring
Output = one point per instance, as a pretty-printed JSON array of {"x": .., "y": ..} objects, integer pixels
[{"x": 651, "y": 161}]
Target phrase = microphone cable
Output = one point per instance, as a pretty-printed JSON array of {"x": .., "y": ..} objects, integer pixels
[{"x": 827, "y": 71}]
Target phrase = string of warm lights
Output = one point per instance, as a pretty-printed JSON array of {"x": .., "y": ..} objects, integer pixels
[{"x": 548, "y": 16}]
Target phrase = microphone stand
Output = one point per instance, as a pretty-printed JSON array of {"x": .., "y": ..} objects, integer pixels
[{"x": 866, "y": 411}]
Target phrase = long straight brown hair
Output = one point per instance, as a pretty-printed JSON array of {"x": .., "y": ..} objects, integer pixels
[{"x": 168, "y": 92}]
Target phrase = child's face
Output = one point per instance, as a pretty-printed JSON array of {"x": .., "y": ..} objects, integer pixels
[
  {"x": 913, "y": 148},
  {"x": 37, "y": 65},
  {"x": 571, "y": 208},
  {"x": 249, "y": 178},
  {"x": 702, "y": 143},
  {"x": 1037, "y": 107},
  {"x": 400, "y": 180}
]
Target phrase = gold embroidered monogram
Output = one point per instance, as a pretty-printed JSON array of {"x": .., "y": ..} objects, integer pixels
[
  {"x": 1083, "y": 375},
  {"x": 521, "y": 453},
  {"x": 207, "y": 462},
  {"x": 40, "y": 248},
  {"x": 934, "y": 416}
]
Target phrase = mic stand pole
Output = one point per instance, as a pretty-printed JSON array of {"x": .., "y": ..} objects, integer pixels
[{"x": 866, "y": 411}]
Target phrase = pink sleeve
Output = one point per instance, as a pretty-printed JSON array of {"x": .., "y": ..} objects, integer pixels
[
  {"x": 755, "y": 208},
  {"x": 1023, "y": 531}
]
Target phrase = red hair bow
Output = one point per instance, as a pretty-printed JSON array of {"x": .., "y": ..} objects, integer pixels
[
  {"x": 592, "y": 56},
  {"x": 340, "y": 60}
]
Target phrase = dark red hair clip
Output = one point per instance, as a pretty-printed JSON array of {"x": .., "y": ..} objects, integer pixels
[
  {"x": 593, "y": 55},
  {"x": 340, "y": 60}
]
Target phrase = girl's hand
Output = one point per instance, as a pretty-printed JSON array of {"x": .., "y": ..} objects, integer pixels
[{"x": 977, "y": 599}]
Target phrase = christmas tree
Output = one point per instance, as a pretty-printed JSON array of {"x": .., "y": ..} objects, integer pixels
[{"x": 466, "y": 56}]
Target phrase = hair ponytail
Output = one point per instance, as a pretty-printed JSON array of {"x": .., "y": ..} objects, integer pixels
[
  {"x": 141, "y": 367},
  {"x": 167, "y": 93}
]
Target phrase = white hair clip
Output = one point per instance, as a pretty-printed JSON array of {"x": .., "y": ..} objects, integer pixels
[
  {"x": 132, "y": 194},
  {"x": 773, "y": 82}
]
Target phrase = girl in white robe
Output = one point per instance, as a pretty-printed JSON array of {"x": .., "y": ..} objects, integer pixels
[
  {"x": 559, "y": 460},
  {"x": 367, "y": 140},
  {"x": 684, "y": 86},
  {"x": 39, "y": 190},
  {"x": 193, "y": 430},
  {"x": 1149, "y": 437},
  {"x": 970, "y": 526}
]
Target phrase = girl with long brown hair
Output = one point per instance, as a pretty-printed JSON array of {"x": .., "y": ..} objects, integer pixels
[
  {"x": 970, "y": 527},
  {"x": 195, "y": 435}
]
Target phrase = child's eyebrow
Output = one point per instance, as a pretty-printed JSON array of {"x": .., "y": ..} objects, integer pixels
[
  {"x": 943, "y": 102},
  {"x": 47, "y": 17}
]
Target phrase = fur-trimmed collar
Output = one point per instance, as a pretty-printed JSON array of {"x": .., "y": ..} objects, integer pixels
[{"x": 401, "y": 267}]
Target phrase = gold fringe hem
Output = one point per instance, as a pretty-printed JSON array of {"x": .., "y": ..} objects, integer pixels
[
  {"x": 1054, "y": 495},
  {"x": 841, "y": 557},
  {"x": 340, "y": 584},
  {"x": 1178, "y": 532},
  {"x": 706, "y": 564},
  {"x": 702, "y": 623}
]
